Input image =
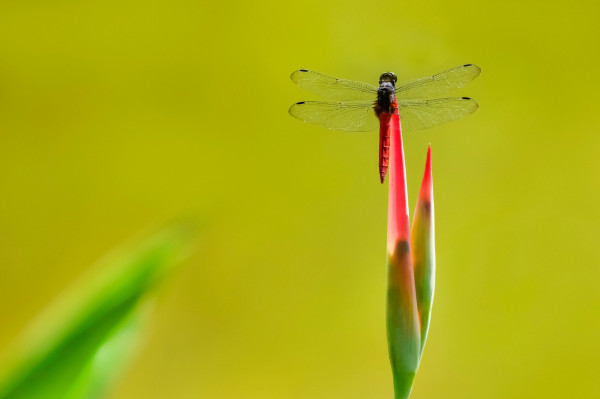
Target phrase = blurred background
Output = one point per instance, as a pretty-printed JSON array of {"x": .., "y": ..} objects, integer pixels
[{"x": 116, "y": 116}]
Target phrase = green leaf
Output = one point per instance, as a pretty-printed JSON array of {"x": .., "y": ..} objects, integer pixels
[
  {"x": 78, "y": 346},
  {"x": 111, "y": 358}
]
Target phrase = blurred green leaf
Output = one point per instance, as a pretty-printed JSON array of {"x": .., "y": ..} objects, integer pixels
[
  {"x": 107, "y": 363},
  {"x": 79, "y": 345}
]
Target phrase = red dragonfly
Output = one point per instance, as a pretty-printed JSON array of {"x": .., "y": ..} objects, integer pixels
[{"x": 359, "y": 107}]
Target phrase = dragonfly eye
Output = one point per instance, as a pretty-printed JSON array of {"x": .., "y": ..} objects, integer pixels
[{"x": 388, "y": 77}]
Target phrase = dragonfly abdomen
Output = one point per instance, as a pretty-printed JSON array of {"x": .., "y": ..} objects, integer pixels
[{"x": 384, "y": 144}]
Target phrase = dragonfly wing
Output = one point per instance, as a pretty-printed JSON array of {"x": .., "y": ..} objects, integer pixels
[
  {"x": 436, "y": 85},
  {"x": 422, "y": 114},
  {"x": 348, "y": 116},
  {"x": 331, "y": 88}
]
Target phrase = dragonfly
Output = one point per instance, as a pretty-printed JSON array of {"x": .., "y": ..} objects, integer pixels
[{"x": 355, "y": 106}]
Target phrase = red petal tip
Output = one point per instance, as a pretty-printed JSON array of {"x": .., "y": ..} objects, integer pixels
[{"x": 427, "y": 183}]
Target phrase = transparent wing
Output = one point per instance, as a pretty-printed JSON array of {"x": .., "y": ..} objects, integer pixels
[
  {"x": 330, "y": 88},
  {"x": 436, "y": 85},
  {"x": 349, "y": 116},
  {"x": 422, "y": 114}
]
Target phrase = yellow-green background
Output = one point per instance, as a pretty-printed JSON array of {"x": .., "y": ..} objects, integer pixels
[{"x": 117, "y": 116}]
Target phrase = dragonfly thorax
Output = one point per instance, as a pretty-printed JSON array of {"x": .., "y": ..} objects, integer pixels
[{"x": 385, "y": 96}]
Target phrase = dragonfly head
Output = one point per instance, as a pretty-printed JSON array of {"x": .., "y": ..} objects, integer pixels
[{"x": 388, "y": 77}]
